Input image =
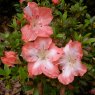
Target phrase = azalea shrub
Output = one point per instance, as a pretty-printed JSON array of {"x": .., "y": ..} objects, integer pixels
[{"x": 49, "y": 49}]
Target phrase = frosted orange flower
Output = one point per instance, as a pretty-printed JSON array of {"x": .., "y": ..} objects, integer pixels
[
  {"x": 71, "y": 62},
  {"x": 39, "y": 19},
  {"x": 10, "y": 58},
  {"x": 41, "y": 56}
]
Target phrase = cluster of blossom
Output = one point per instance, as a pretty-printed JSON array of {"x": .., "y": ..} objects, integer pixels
[{"x": 42, "y": 55}]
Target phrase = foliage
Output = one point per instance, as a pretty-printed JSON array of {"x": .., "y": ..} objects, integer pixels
[{"x": 70, "y": 21}]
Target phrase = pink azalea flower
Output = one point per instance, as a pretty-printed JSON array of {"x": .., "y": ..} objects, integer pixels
[
  {"x": 41, "y": 56},
  {"x": 55, "y": 1},
  {"x": 71, "y": 62},
  {"x": 10, "y": 58},
  {"x": 39, "y": 19}
]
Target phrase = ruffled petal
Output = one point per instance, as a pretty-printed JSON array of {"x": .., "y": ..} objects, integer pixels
[
  {"x": 82, "y": 70},
  {"x": 45, "y": 15},
  {"x": 54, "y": 53},
  {"x": 65, "y": 79},
  {"x": 28, "y": 34},
  {"x": 31, "y": 10},
  {"x": 55, "y": 2},
  {"x": 67, "y": 75},
  {"x": 34, "y": 8},
  {"x": 78, "y": 69},
  {"x": 10, "y": 54},
  {"x": 43, "y": 31},
  {"x": 9, "y": 61},
  {"x": 43, "y": 43},
  {"x": 10, "y": 58},
  {"x": 29, "y": 52},
  {"x": 75, "y": 48},
  {"x": 28, "y": 13},
  {"x": 49, "y": 69},
  {"x": 34, "y": 69}
]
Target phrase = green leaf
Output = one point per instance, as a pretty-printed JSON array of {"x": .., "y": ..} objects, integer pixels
[
  {"x": 87, "y": 22},
  {"x": 36, "y": 92},
  {"x": 87, "y": 35},
  {"x": 76, "y": 36},
  {"x": 63, "y": 2},
  {"x": 26, "y": 88},
  {"x": 64, "y": 16},
  {"x": 7, "y": 70},
  {"x": 89, "y": 41},
  {"x": 1, "y": 49},
  {"x": 59, "y": 36},
  {"x": 2, "y": 72},
  {"x": 14, "y": 24},
  {"x": 19, "y": 16},
  {"x": 22, "y": 73}
]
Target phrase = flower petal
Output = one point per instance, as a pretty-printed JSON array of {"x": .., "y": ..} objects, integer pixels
[
  {"x": 31, "y": 10},
  {"x": 55, "y": 2},
  {"x": 49, "y": 69},
  {"x": 9, "y": 61},
  {"x": 54, "y": 52},
  {"x": 43, "y": 43},
  {"x": 28, "y": 34},
  {"x": 82, "y": 69},
  {"x": 78, "y": 69},
  {"x": 75, "y": 48},
  {"x": 10, "y": 54},
  {"x": 65, "y": 79},
  {"x": 45, "y": 15},
  {"x": 10, "y": 58},
  {"x": 43, "y": 31},
  {"x": 34, "y": 68},
  {"x": 28, "y": 13},
  {"x": 29, "y": 52},
  {"x": 67, "y": 75}
]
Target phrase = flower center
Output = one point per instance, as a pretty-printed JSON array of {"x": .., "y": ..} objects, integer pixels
[
  {"x": 34, "y": 23},
  {"x": 72, "y": 60},
  {"x": 42, "y": 54}
]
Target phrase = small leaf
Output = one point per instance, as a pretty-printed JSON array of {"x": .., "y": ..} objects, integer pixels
[
  {"x": 76, "y": 36},
  {"x": 7, "y": 70},
  {"x": 87, "y": 35},
  {"x": 27, "y": 88},
  {"x": 2, "y": 72},
  {"x": 59, "y": 36},
  {"x": 64, "y": 16},
  {"x": 14, "y": 24},
  {"x": 36, "y": 92},
  {"x": 22, "y": 73},
  {"x": 89, "y": 41}
]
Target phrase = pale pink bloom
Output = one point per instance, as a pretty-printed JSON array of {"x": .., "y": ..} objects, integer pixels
[
  {"x": 55, "y": 1},
  {"x": 39, "y": 19},
  {"x": 10, "y": 58},
  {"x": 71, "y": 62},
  {"x": 41, "y": 56}
]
